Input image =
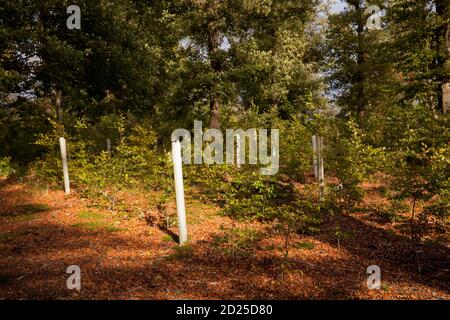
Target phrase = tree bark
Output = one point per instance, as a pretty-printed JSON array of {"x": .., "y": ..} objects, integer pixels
[
  {"x": 213, "y": 49},
  {"x": 446, "y": 85},
  {"x": 47, "y": 106},
  {"x": 58, "y": 104},
  {"x": 360, "y": 77},
  {"x": 446, "y": 97},
  {"x": 442, "y": 45}
]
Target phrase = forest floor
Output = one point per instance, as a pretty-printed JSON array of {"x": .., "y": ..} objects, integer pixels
[{"x": 42, "y": 232}]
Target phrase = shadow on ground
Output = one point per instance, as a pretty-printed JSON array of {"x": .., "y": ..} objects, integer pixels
[{"x": 117, "y": 265}]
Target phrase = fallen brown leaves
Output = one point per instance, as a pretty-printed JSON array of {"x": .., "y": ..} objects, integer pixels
[{"x": 126, "y": 258}]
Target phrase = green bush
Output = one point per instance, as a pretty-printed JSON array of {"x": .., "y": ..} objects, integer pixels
[
  {"x": 420, "y": 170},
  {"x": 295, "y": 148},
  {"x": 250, "y": 195},
  {"x": 48, "y": 168},
  {"x": 135, "y": 163},
  {"x": 352, "y": 161},
  {"x": 236, "y": 242},
  {"x": 6, "y": 168}
]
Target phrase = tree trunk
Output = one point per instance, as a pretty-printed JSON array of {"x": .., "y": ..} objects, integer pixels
[
  {"x": 360, "y": 77},
  {"x": 58, "y": 104},
  {"x": 446, "y": 97},
  {"x": 442, "y": 45},
  {"x": 47, "y": 106},
  {"x": 214, "y": 112},
  {"x": 446, "y": 85},
  {"x": 213, "y": 49}
]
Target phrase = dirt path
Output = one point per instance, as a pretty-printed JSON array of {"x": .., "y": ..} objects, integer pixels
[{"x": 42, "y": 233}]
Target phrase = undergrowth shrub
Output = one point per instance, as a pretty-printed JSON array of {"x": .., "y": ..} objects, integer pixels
[
  {"x": 295, "y": 148},
  {"x": 302, "y": 216},
  {"x": 212, "y": 180},
  {"x": 236, "y": 242},
  {"x": 419, "y": 170},
  {"x": 351, "y": 160},
  {"x": 48, "y": 168},
  {"x": 6, "y": 167},
  {"x": 136, "y": 161},
  {"x": 250, "y": 195}
]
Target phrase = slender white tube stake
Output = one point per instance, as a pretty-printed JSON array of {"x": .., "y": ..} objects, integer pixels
[
  {"x": 314, "y": 149},
  {"x": 179, "y": 190},
  {"x": 238, "y": 150},
  {"x": 62, "y": 146},
  {"x": 320, "y": 169},
  {"x": 108, "y": 146}
]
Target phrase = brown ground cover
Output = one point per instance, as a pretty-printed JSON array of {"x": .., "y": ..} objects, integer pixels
[{"x": 129, "y": 257}]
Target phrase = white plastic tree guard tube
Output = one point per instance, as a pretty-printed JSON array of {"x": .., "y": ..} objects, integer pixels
[
  {"x": 319, "y": 143},
  {"x": 179, "y": 190},
  {"x": 62, "y": 146},
  {"x": 238, "y": 150},
  {"x": 314, "y": 149},
  {"x": 108, "y": 146}
]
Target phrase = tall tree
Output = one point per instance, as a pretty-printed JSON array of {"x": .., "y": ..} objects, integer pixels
[
  {"x": 442, "y": 44},
  {"x": 420, "y": 49},
  {"x": 251, "y": 53},
  {"x": 360, "y": 74},
  {"x": 114, "y": 62},
  {"x": 276, "y": 50}
]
